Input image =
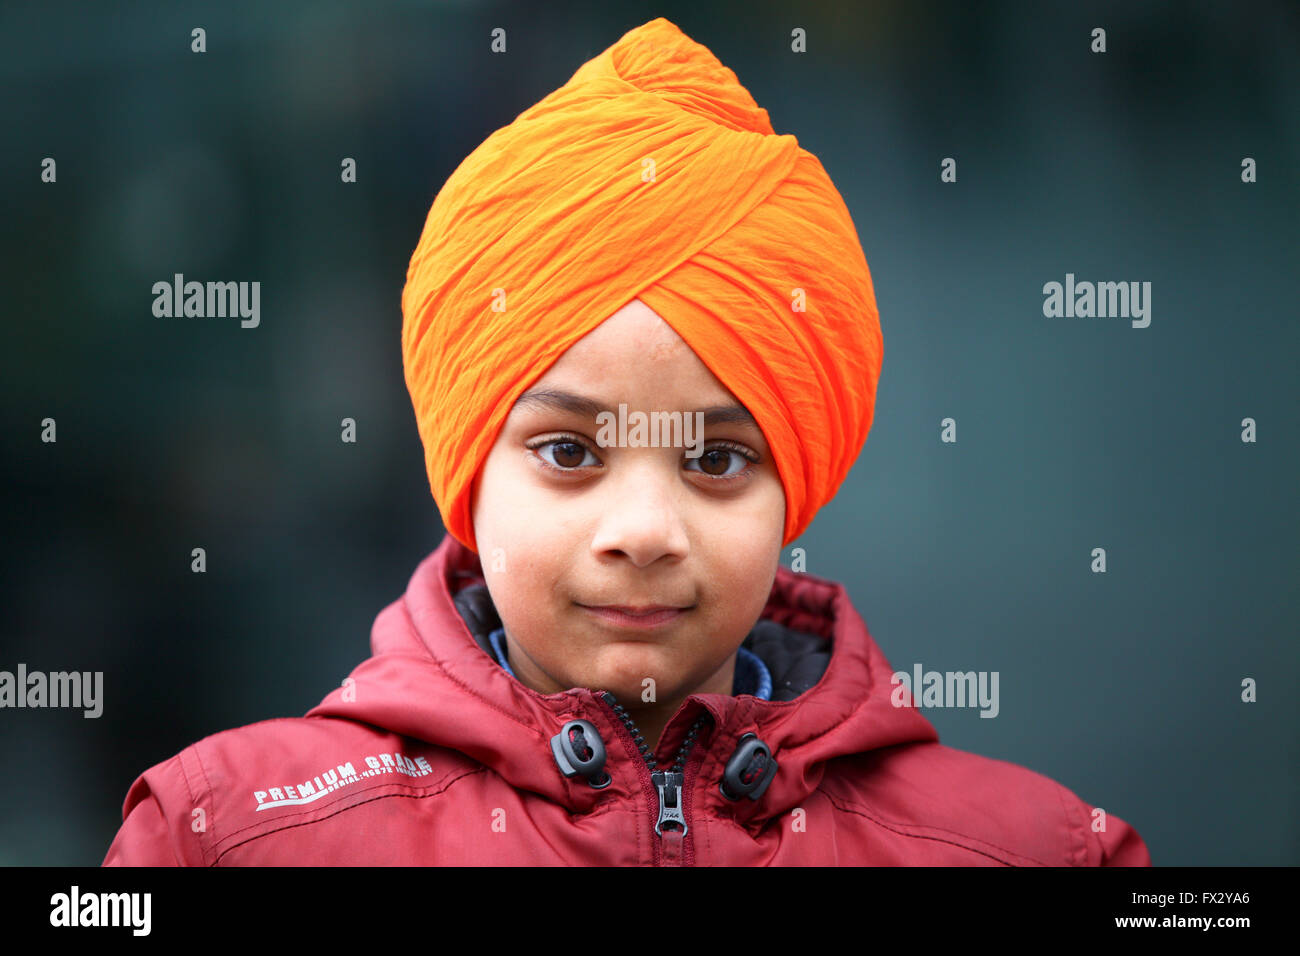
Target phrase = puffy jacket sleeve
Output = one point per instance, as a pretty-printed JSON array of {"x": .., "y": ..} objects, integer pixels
[
  {"x": 156, "y": 821},
  {"x": 1117, "y": 845},
  {"x": 1120, "y": 845},
  {"x": 143, "y": 839}
]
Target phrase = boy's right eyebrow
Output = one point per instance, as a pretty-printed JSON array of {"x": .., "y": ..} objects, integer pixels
[{"x": 556, "y": 400}]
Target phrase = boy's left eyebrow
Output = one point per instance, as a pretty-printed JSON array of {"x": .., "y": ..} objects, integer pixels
[{"x": 557, "y": 400}]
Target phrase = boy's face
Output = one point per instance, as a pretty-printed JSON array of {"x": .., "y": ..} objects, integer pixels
[{"x": 564, "y": 525}]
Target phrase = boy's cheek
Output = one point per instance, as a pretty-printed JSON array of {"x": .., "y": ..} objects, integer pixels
[{"x": 496, "y": 515}]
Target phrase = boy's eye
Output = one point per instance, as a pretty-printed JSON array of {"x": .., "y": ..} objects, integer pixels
[
  {"x": 566, "y": 454},
  {"x": 718, "y": 462},
  {"x": 569, "y": 454}
]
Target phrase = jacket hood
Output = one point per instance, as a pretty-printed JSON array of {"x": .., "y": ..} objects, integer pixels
[{"x": 432, "y": 677}]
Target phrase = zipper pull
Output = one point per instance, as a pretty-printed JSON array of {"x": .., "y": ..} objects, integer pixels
[{"x": 669, "y": 785}]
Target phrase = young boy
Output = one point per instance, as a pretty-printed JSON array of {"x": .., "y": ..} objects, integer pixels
[{"x": 642, "y": 345}]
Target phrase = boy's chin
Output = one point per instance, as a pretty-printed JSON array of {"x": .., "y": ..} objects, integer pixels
[
  {"x": 634, "y": 686},
  {"x": 643, "y": 690}
]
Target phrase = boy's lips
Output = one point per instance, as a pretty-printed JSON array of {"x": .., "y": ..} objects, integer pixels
[{"x": 644, "y": 616}]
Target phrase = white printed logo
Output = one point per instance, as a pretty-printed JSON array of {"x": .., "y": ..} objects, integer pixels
[{"x": 292, "y": 795}]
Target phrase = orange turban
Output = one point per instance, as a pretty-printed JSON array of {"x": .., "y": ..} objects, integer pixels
[{"x": 651, "y": 174}]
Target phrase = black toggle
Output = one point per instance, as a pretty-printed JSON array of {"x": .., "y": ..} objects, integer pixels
[
  {"x": 579, "y": 751},
  {"x": 749, "y": 771}
]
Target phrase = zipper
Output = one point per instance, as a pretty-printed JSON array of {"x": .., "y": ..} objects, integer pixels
[{"x": 670, "y": 785}]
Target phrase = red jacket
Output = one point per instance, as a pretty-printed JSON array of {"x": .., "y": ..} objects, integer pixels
[{"x": 430, "y": 753}]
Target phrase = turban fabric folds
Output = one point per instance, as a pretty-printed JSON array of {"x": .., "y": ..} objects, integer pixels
[{"x": 651, "y": 174}]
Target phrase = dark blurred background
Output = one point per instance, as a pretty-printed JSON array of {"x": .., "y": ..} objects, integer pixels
[{"x": 1072, "y": 433}]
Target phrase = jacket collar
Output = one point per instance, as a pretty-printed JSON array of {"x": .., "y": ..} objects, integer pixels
[{"x": 432, "y": 677}]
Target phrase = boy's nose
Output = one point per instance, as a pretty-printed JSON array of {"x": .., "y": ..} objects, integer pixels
[{"x": 643, "y": 522}]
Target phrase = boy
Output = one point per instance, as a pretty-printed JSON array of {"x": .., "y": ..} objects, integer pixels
[{"x": 642, "y": 345}]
